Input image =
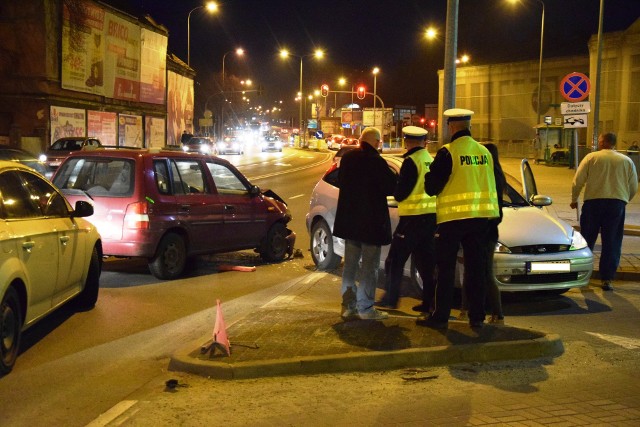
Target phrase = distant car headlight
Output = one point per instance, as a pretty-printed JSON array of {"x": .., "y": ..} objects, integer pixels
[
  {"x": 185, "y": 148},
  {"x": 577, "y": 241},
  {"x": 205, "y": 149},
  {"x": 502, "y": 248},
  {"x": 42, "y": 157}
]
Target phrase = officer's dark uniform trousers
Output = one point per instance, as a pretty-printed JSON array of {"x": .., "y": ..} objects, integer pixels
[{"x": 413, "y": 235}]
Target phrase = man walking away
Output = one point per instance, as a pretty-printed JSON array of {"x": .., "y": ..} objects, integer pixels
[{"x": 610, "y": 180}]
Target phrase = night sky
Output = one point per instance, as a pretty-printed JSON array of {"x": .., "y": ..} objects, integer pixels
[{"x": 357, "y": 35}]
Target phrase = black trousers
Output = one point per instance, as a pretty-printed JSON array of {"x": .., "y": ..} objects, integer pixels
[
  {"x": 413, "y": 235},
  {"x": 472, "y": 235}
]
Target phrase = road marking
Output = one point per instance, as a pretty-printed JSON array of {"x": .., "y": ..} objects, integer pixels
[
  {"x": 280, "y": 300},
  {"x": 314, "y": 277},
  {"x": 282, "y": 164},
  {"x": 113, "y": 413},
  {"x": 628, "y": 343},
  {"x": 296, "y": 196}
]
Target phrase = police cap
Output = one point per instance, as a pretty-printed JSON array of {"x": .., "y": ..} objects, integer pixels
[
  {"x": 414, "y": 132},
  {"x": 457, "y": 115}
]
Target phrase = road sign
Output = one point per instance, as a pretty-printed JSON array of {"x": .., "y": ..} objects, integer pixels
[
  {"x": 575, "y": 87},
  {"x": 575, "y": 121},
  {"x": 319, "y": 134},
  {"x": 583, "y": 107}
]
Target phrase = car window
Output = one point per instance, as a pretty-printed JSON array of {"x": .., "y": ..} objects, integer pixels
[
  {"x": 97, "y": 176},
  {"x": 226, "y": 180},
  {"x": 162, "y": 176},
  {"x": 188, "y": 177},
  {"x": 16, "y": 200},
  {"x": 50, "y": 202}
]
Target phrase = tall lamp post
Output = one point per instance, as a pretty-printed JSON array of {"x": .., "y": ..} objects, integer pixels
[
  {"x": 239, "y": 52},
  {"x": 540, "y": 59},
  {"x": 376, "y": 70},
  {"x": 284, "y": 53},
  {"x": 212, "y": 7}
]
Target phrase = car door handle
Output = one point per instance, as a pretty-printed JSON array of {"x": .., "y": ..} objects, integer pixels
[
  {"x": 27, "y": 246},
  {"x": 185, "y": 208},
  {"x": 229, "y": 208},
  {"x": 64, "y": 240}
]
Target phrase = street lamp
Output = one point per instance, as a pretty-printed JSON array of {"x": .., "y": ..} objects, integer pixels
[
  {"x": 239, "y": 52},
  {"x": 284, "y": 53},
  {"x": 376, "y": 70},
  {"x": 212, "y": 7},
  {"x": 540, "y": 60}
]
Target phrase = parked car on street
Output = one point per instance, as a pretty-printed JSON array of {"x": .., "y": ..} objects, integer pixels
[
  {"x": 200, "y": 144},
  {"x": 536, "y": 251},
  {"x": 230, "y": 145},
  {"x": 333, "y": 142},
  {"x": 26, "y": 158},
  {"x": 167, "y": 206},
  {"x": 60, "y": 149},
  {"x": 50, "y": 255}
]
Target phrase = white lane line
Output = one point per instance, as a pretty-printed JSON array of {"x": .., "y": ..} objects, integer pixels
[
  {"x": 280, "y": 300},
  {"x": 628, "y": 343},
  {"x": 296, "y": 196},
  {"x": 112, "y": 413}
]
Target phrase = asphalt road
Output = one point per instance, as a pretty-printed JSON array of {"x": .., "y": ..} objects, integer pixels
[{"x": 113, "y": 359}]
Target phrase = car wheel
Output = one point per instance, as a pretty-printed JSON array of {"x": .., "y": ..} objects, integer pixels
[
  {"x": 170, "y": 258},
  {"x": 275, "y": 245},
  {"x": 87, "y": 299},
  {"x": 322, "y": 247},
  {"x": 10, "y": 330}
]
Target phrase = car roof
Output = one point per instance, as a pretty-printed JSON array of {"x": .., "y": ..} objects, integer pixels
[
  {"x": 8, "y": 164},
  {"x": 132, "y": 153}
]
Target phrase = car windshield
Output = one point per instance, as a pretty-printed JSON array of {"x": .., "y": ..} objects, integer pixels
[
  {"x": 97, "y": 176},
  {"x": 67, "y": 145}
]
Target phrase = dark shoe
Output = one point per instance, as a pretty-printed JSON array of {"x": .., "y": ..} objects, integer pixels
[
  {"x": 421, "y": 308},
  {"x": 476, "y": 324},
  {"x": 430, "y": 322},
  {"x": 496, "y": 320},
  {"x": 606, "y": 286},
  {"x": 385, "y": 304}
]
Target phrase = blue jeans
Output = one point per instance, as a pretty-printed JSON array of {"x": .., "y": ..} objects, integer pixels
[
  {"x": 362, "y": 296},
  {"x": 604, "y": 216}
]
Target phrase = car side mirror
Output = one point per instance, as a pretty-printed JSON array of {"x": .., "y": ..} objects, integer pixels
[
  {"x": 254, "y": 190},
  {"x": 82, "y": 209},
  {"x": 540, "y": 200}
]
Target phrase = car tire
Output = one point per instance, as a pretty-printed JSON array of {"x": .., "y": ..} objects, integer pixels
[
  {"x": 322, "y": 247},
  {"x": 275, "y": 245},
  {"x": 11, "y": 328},
  {"x": 87, "y": 299},
  {"x": 170, "y": 258}
]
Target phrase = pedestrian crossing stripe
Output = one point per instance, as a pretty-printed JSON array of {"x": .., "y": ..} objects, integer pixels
[{"x": 628, "y": 343}]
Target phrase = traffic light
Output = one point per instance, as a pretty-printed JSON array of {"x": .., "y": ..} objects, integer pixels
[
  {"x": 362, "y": 91},
  {"x": 324, "y": 90}
]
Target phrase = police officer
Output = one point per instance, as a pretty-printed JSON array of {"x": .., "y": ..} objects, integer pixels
[
  {"x": 462, "y": 177},
  {"x": 415, "y": 229}
]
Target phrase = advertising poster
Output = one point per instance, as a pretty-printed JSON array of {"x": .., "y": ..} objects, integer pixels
[
  {"x": 67, "y": 122},
  {"x": 103, "y": 125},
  {"x": 179, "y": 107},
  {"x": 129, "y": 130},
  {"x": 83, "y": 50},
  {"x": 154, "y": 128},
  {"x": 153, "y": 54},
  {"x": 122, "y": 59}
]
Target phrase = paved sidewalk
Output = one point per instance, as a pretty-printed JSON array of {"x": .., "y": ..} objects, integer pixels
[{"x": 302, "y": 332}]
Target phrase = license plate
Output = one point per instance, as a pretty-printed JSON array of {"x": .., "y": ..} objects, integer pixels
[{"x": 549, "y": 267}]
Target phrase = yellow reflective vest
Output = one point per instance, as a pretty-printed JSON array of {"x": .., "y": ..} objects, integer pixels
[
  {"x": 419, "y": 202},
  {"x": 471, "y": 189}
]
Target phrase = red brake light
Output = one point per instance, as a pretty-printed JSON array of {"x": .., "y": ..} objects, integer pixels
[{"x": 137, "y": 216}]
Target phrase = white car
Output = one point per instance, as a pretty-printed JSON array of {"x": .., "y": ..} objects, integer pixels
[
  {"x": 50, "y": 255},
  {"x": 536, "y": 251}
]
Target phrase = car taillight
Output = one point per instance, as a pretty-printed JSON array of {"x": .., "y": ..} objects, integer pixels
[{"x": 137, "y": 216}]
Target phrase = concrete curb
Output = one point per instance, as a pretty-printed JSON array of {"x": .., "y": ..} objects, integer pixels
[{"x": 545, "y": 346}]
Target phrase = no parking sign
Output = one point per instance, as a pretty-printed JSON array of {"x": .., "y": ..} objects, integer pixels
[{"x": 575, "y": 87}]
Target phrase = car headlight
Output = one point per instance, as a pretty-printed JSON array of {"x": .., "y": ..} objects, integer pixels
[
  {"x": 577, "y": 241},
  {"x": 42, "y": 157},
  {"x": 501, "y": 248},
  {"x": 205, "y": 149},
  {"x": 185, "y": 148}
]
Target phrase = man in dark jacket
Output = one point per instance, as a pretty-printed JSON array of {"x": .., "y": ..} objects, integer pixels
[{"x": 362, "y": 219}]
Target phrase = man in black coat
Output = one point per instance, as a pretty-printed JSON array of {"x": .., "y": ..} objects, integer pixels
[{"x": 362, "y": 219}]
